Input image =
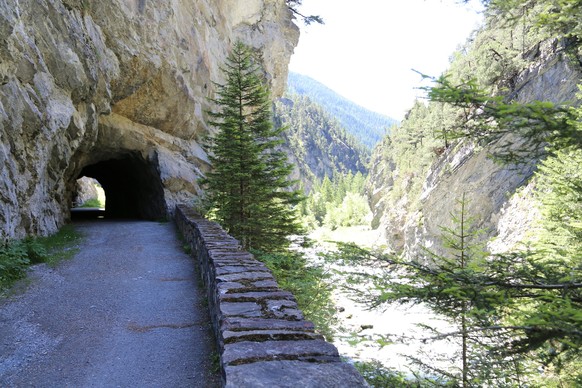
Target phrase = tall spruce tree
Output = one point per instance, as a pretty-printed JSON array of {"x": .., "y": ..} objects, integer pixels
[{"x": 248, "y": 187}]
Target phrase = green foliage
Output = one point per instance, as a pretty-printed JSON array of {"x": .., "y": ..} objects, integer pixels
[
  {"x": 521, "y": 308},
  {"x": 496, "y": 53},
  {"x": 541, "y": 282},
  {"x": 54, "y": 248},
  {"x": 318, "y": 144},
  {"x": 13, "y": 262},
  {"x": 460, "y": 286},
  {"x": 307, "y": 19},
  {"x": 559, "y": 192},
  {"x": 341, "y": 202},
  {"x": 309, "y": 284},
  {"x": 520, "y": 131},
  {"x": 406, "y": 155},
  {"x": 518, "y": 312},
  {"x": 352, "y": 211},
  {"x": 93, "y": 202},
  {"x": 552, "y": 260},
  {"x": 248, "y": 187},
  {"x": 366, "y": 126},
  {"x": 379, "y": 376},
  {"x": 16, "y": 256},
  {"x": 553, "y": 18}
]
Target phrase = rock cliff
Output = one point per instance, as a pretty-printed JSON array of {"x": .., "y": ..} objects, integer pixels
[
  {"x": 117, "y": 90},
  {"x": 499, "y": 195}
]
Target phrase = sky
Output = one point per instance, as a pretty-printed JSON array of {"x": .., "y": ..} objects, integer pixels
[{"x": 367, "y": 49}]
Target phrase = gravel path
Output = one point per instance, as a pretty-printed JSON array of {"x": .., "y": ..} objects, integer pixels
[{"x": 127, "y": 311}]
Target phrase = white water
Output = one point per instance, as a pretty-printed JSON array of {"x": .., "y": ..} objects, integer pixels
[{"x": 359, "y": 327}]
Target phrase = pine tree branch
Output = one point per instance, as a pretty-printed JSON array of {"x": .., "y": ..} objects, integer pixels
[{"x": 526, "y": 329}]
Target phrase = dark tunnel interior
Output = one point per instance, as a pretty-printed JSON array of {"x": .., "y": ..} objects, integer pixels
[{"x": 132, "y": 186}]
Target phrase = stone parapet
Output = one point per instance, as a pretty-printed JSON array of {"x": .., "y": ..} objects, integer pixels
[{"x": 262, "y": 337}]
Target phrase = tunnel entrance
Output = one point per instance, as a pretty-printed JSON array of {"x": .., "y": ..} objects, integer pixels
[
  {"x": 132, "y": 186},
  {"x": 88, "y": 194}
]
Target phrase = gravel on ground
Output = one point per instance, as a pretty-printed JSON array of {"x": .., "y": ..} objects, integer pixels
[{"x": 126, "y": 311}]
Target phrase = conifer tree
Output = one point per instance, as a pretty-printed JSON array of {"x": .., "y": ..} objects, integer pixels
[{"x": 248, "y": 187}]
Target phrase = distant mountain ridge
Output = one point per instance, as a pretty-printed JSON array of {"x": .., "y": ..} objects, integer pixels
[
  {"x": 367, "y": 126},
  {"x": 315, "y": 142}
]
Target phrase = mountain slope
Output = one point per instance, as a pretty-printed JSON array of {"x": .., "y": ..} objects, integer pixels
[
  {"x": 367, "y": 126},
  {"x": 316, "y": 143}
]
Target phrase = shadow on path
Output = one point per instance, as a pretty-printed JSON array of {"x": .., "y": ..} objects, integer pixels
[{"x": 126, "y": 311}]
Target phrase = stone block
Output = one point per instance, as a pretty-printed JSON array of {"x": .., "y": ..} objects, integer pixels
[
  {"x": 242, "y": 309},
  {"x": 268, "y": 335},
  {"x": 293, "y": 374},
  {"x": 266, "y": 284},
  {"x": 239, "y": 324},
  {"x": 258, "y": 296},
  {"x": 231, "y": 269},
  {"x": 225, "y": 287},
  {"x": 281, "y": 304},
  {"x": 217, "y": 254},
  {"x": 248, "y": 276},
  {"x": 246, "y": 352}
]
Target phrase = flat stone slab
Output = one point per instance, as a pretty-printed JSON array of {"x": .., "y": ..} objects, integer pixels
[
  {"x": 227, "y": 254},
  {"x": 306, "y": 350},
  {"x": 231, "y": 269},
  {"x": 257, "y": 296},
  {"x": 266, "y": 335},
  {"x": 293, "y": 374},
  {"x": 266, "y": 284},
  {"x": 249, "y": 276},
  {"x": 288, "y": 314},
  {"x": 245, "y": 309},
  {"x": 281, "y": 304},
  {"x": 224, "y": 261},
  {"x": 225, "y": 287},
  {"x": 239, "y": 324}
]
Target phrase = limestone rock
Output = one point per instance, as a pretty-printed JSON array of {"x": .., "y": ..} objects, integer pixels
[
  {"x": 119, "y": 89},
  {"x": 85, "y": 191},
  {"x": 497, "y": 198},
  {"x": 293, "y": 374}
]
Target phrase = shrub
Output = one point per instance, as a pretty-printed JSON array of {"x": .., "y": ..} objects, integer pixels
[{"x": 308, "y": 284}]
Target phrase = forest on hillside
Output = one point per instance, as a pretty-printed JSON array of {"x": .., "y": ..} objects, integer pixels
[
  {"x": 367, "y": 126},
  {"x": 316, "y": 142},
  {"x": 499, "y": 139}
]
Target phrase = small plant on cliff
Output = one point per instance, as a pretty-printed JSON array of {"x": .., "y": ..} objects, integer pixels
[
  {"x": 248, "y": 188},
  {"x": 307, "y": 19}
]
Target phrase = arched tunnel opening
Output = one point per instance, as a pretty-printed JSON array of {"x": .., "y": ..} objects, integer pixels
[
  {"x": 132, "y": 186},
  {"x": 88, "y": 194}
]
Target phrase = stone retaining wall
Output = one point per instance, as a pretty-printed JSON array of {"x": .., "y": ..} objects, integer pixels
[{"x": 262, "y": 336}]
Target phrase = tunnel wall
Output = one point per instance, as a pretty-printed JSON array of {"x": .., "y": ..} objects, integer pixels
[{"x": 262, "y": 336}]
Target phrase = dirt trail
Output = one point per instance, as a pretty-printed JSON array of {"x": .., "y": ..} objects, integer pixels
[{"x": 127, "y": 311}]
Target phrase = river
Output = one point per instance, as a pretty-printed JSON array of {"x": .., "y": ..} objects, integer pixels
[{"x": 390, "y": 334}]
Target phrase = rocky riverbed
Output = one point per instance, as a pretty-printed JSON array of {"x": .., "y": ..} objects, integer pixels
[{"x": 389, "y": 334}]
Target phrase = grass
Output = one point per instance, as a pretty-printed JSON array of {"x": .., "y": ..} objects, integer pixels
[
  {"x": 378, "y": 376},
  {"x": 308, "y": 283},
  {"x": 93, "y": 202},
  {"x": 61, "y": 245},
  {"x": 17, "y": 255}
]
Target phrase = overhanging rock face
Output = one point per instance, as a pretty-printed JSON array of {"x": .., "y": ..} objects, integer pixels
[
  {"x": 87, "y": 83},
  {"x": 263, "y": 339}
]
